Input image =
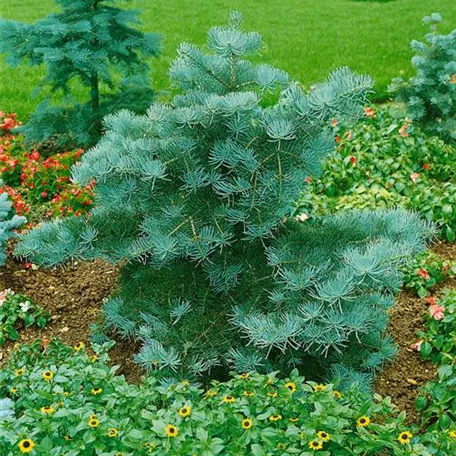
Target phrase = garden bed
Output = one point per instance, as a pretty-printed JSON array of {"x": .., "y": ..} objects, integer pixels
[{"x": 74, "y": 295}]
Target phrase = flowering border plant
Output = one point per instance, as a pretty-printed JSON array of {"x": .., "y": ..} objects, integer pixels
[
  {"x": 425, "y": 270},
  {"x": 92, "y": 411},
  {"x": 437, "y": 401},
  {"x": 18, "y": 310}
]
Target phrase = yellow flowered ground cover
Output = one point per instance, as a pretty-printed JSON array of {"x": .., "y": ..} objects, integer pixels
[{"x": 67, "y": 401}]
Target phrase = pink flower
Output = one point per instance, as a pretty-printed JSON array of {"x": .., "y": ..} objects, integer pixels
[
  {"x": 334, "y": 123},
  {"x": 414, "y": 177},
  {"x": 308, "y": 179},
  {"x": 431, "y": 300},
  {"x": 417, "y": 345},
  {"x": 437, "y": 312},
  {"x": 424, "y": 274}
]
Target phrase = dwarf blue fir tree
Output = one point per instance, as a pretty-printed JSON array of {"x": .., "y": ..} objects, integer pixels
[
  {"x": 8, "y": 224},
  {"x": 91, "y": 43},
  {"x": 430, "y": 95},
  {"x": 197, "y": 198}
]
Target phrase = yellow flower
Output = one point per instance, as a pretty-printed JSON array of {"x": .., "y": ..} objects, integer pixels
[
  {"x": 268, "y": 382},
  {"x": 93, "y": 358},
  {"x": 228, "y": 399},
  {"x": 323, "y": 436},
  {"x": 291, "y": 386},
  {"x": 79, "y": 346},
  {"x": 150, "y": 446},
  {"x": 281, "y": 446},
  {"x": 185, "y": 383},
  {"x": 49, "y": 410},
  {"x": 96, "y": 391},
  {"x": 404, "y": 437},
  {"x": 112, "y": 432},
  {"x": 93, "y": 417},
  {"x": 19, "y": 372},
  {"x": 337, "y": 394},
  {"x": 248, "y": 393},
  {"x": 319, "y": 387},
  {"x": 94, "y": 422},
  {"x": 293, "y": 420},
  {"x": 66, "y": 393},
  {"x": 210, "y": 393},
  {"x": 48, "y": 375},
  {"x": 13, "y": 390},
  {"x": 67, "y": 438},
  {"x": 119, "y": 454},
  {"x": 452, "y": 434},
  {"x": 26, "y": 445},
  {"x": 272, "y": 394},
  {"x": 185, "y": 411},
  {"x": 171, "y": 431},
  {"x": 244, "y": 376},
  {"x": 363, "y": 421},
  {"x": 247, "y": 423},
  {"x": 275, "y": 417},
  {"x": 315, "y": 445}
]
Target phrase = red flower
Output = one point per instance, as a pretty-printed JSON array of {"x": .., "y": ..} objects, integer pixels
[
  {"x": 44, "y": 194},
  {"x": 353, "y": 160},
  {"x": 369, "y": 112},
  {"x": 308, "y": 179},
  {"x": 338, "y": 139},
  {"x": 28, "y": 265},
  {"x": 424, "y": 274},
  {"x": 431, "y": 301},
  {"x": 403, "y": 131},
  {"x": 453, "y": 79},
  {"x": 334, "y": 123},
  {"x": 8, "y": 123},
  {"x": 35, "y": 155},
  {"x": 426, "y": 166}
]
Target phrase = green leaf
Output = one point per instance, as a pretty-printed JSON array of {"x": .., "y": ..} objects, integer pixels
[
  {"x": 257, "y": 450},
  {"x": 425, "y": 349},
  {"x": 450, "y": 234}
]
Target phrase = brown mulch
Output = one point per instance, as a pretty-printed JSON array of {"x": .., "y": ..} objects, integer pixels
[{"x": 74, "y": 296}]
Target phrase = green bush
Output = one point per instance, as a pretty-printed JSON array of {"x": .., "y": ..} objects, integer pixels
[
  {"x": 197, "y": 200},
  {"x": 387, "y": 162},
  {"x": 91, "y": 43},
  {"x": 66, "y": 401},
  {"x": 430, "y": 96}
]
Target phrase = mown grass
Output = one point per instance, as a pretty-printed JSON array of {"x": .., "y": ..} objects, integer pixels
[{"x": 308, "y": 38}]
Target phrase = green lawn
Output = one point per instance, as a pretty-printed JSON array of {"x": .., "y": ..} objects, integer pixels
[{"x": 308, "y": 38}]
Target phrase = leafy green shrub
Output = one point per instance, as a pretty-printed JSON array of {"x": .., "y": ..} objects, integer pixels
[
  {"x": 199, "y": 196},
  {"x": 92, "y": 411},
  {"x": 8, "y": 224},
  {"x": 90, "y": 43},
  {"x": 425, "y": 270},
  {"x": 387, "y": 162},
  {"x": 430, "y": 96},
  {"x": 437, "y": 401},
  {"x": 18, "y": 310}
]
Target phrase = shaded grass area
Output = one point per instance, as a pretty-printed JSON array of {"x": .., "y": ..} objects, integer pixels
[{"x": 307, "y": 38}]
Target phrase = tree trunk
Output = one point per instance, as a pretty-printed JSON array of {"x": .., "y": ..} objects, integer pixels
[{"x": 95, "y": 103}]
